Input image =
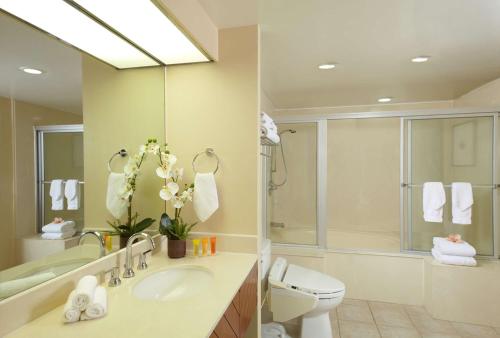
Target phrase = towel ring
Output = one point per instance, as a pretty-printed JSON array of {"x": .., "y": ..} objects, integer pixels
[
  {"x": 122, "y": 153},
  {"x": 209, "y": 152}
]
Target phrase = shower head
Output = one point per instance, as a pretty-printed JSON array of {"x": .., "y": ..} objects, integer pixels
[{"x": 292, "y": 131}]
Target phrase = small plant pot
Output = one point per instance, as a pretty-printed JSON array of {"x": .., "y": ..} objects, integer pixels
[
  {"x": 176, "y": 248},
  {"x": 123, "y": 241}
]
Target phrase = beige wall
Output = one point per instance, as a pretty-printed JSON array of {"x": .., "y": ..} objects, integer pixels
[
  {"x": 7, "y": 186},
  {"x": 487, "y": 95},
  {"x": 363, "y": 175},
  {"x": 216, "y": 105},
  {"x": 121, "y": 109}
]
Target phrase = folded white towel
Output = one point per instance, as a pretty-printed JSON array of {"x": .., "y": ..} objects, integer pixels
[
  {"x": 11, "y": 287},
  {"x": 452, "y": 260},
  {"x": 65, "y": 226},
  {"x": 58, "y": 235},
  {"x": 205, "y": 199},
  {"x": 461, "y": 202},
  {"x": 270, "y": 134},
  {"x": 57, "y": 194},
  {"x": 434, "y": 199},
  {"x": 447, "y": 247},
  {"x": 72, "y": 193},
  {"x": 71, "y": 313},
  {"x": 99, "y": 305},
  {"x": 84, "y": 292},
  {"x": 115, "y": 204}
]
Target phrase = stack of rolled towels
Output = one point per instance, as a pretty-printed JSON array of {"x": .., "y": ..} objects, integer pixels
[
  {"x": 87, "y": 301},
  {"x": 58, "y": 229},
  {"x": 453, "y": 250},
  {"x": 268, "y": 128}
]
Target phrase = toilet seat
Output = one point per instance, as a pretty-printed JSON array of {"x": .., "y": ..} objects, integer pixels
[{"x": 313, "y": 282}]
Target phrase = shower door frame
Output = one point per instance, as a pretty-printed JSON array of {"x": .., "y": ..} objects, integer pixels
[
  {"x": 39, "y": 132},
  {"x": 318, "y": 116},
  {"x": 406, "y": 230}
]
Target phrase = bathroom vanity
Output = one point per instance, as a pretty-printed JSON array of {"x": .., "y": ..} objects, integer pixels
[{"x": 225, "y": 299}]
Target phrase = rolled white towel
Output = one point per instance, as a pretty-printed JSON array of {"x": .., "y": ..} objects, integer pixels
[
  {"x": 58, "y": 235},
  {"x": 447, "y": 247},
  {"x": 99, "y": 306},
  {"x": 452, "y": 260},
  {"x": 84, "y": 292},
  {"x": 71, "y": 313},
  {"x": 65, "y": 226}
]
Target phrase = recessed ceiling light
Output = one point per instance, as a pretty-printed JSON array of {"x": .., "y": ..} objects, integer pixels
[
  {"x": 326, "y": 66},
  {"x": 385, "y": 99},
  {"x": 32, "y": 71},
  {"x": 420, "y": 59}
]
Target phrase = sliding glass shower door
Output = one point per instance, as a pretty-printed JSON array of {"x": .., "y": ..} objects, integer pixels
[{"x": 449, "y": 149}]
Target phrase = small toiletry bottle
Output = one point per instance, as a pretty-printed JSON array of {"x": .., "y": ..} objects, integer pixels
[
  {"x": 204, "y": 246},
  {"x": 196, "y": 247},
  {"x": 213, "y": 241},
  {"x": 108, "y": 240}
]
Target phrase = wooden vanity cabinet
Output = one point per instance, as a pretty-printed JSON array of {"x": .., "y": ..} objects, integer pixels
[{"x": 238, "y": 315}]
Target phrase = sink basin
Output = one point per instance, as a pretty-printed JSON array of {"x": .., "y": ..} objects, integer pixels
[{"x": 174, "y": 283}]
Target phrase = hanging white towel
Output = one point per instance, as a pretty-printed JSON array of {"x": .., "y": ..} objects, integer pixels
[
  {"x": 461, "y": 202},
  {"x": 71, "y": 313},
  {"x": 447, "y": 247},
  {"x": 57, "y": 194},
  {"x": 434, "y": 199},
  {"x": 84, "y": 292},
  {"x": 453, "y": 260},
  {"x": 205, "y": 199},
  {"x": 65, "y": 226},
  {"x": 99, "y": 305},
  {"x": 72, "y": 193},
  {"x": 268, "y": 128},
  {"x": 59, "y": 235},
  {"x": 115, "y": 204}
]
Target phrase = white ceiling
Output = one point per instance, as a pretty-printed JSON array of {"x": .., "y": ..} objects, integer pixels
[
  {"x": 231, "y": 13},
  {"x": 373, "y": 42},
  {"x": 21, "y": 45}
]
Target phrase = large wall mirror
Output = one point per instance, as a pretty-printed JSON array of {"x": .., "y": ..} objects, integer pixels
[{"x": 63, "y": 114}]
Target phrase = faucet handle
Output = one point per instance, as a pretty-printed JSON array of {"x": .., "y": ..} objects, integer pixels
[
  {"x": 143, "y": 265},
  {"x": 115, "y": 277}
]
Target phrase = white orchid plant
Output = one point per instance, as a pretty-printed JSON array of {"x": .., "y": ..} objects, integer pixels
[
  {"x": 132, "y": 170},
  {"x": 171, "y": 191}
]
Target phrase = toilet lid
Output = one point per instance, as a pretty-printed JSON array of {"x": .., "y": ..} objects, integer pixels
[{"x": 311, "y": 281}]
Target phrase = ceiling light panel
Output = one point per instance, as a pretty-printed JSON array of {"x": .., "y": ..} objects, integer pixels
[
  {"x": 385, "y": 99},
  {"x": 146, "y": 26},
  {"x": 65, "y": 22}
]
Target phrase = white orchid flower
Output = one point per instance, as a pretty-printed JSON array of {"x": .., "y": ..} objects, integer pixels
[
  {"x": 177, "y": 202},
  {"x": 163, "y": 172},
  {"x": 168, "y": 192},
  {"x": 187, "y": 195},
  {"x": 178, "y": 174},
  {"x": 170, "y": 159}
]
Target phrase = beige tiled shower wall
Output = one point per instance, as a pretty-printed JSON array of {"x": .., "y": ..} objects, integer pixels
[{"x": 363, "y": 184}]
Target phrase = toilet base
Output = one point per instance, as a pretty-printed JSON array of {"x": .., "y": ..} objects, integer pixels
[{"x": 317, "y": 326}]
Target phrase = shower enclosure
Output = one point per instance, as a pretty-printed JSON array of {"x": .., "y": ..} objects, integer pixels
[
  {"x": 59, "y": 155},
  {"x": 355, "y": 181}
]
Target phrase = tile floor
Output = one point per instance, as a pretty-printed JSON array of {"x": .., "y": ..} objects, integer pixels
[{"x": 366, "y": 319}]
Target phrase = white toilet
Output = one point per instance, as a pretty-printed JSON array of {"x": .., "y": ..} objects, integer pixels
[{"x": 296, "y": 291}]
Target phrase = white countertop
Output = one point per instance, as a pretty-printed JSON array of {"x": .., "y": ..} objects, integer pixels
[{"x": 194, "y": 317}]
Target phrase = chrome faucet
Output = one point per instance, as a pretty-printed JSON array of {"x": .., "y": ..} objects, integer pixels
[
  {"x": 97, "y": 234},
  {"x": 129, "y": 271}
]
